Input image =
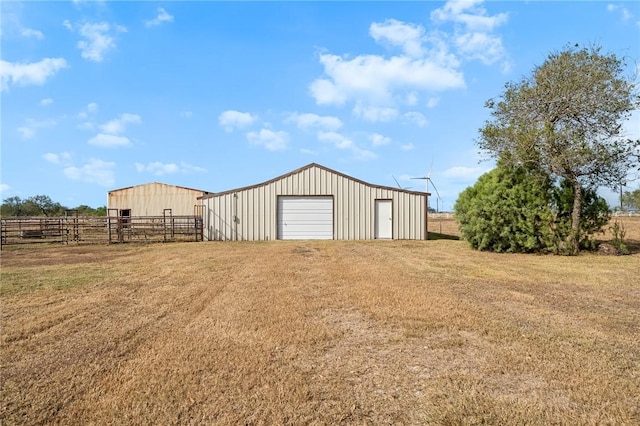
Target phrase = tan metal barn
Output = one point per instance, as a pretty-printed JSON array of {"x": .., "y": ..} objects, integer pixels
[
  {"x": 151, "y": 199},
  {"x": 315, "y": 202}
]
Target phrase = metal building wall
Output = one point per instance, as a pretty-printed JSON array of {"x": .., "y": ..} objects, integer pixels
[
  {"x": 152, "y": 198},
  {"x": 251, "y": 213}
]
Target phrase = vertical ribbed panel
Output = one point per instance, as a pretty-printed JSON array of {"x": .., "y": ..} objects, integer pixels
[
  {"x": 152, "y": 198},
  {"x": 251, "y": 213}
]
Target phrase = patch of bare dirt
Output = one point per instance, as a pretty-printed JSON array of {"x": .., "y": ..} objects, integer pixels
[{"x": 607, "y": 249}]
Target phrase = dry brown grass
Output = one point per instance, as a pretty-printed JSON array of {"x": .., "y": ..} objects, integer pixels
[
  {"x": 317, "y": 333},
  {"x": 441, "y": 224}
]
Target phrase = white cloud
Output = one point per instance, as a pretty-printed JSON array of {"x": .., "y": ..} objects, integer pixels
[
  {"x": 307, "y": 151},
  {"x": 28, "y": 131},
  {"x": 308, "y": 121},
  {"x": 161, "y": 17},
  {"x": 4, "y": 188},
  {"x": 90, "y": 109},
  {"x": 631, "y": 126},
  {"x": 470, "y": 13},
  {"x": 463, "y": 172},
  {"x": 377, "y": 84},
  {"x": 378, "y": 140},
  {"x": 24, "y": 74},
  {"x": 30, "y": 32},
  {"x": 11, "y": 24},
  {"x": 273, "y": 141},
  {"x": 56, "y": 158},
  {"x": 94, "y": 171},
  {"x": 412, "y": 99},
  {"x": 80, "y": 3},
  {"x": 363, "y": 154},
  {"x": 427, "y": 61},
  {"x": 97, "y": 42},
  {"x": 98, "y": 39},
  {"x": 232, "y": 119},
  {"x": 157, "y": 168},
  {"x": 417, "y": 118},
  {"x": 338, "y": 140},
  {"x": 87, "y": 125},
  {"x": 188, "y": 168},
  {"x": 46, "y": 101},
  {"x": 407, "y": 147},
  {"x": 433, "y": 102},
  {"x": 409, "y": 37},
  {"x": 344, "y": 143},
  {"x": 624, "y": 12},
  {"x": 484, "y": 47},
  {"x": 326, "y": 92},
  {"x": 375, "y": 79},
  {"x": 51, "y": 157},
  {"x": 375, "y": 114},
  {"x": 118, "y": 125},
  {"x": 109, "y": 141},
  {"x": 473, "y": 36}
]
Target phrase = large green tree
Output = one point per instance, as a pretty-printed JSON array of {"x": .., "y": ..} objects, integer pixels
[
  {"x": 43, "y": 205},
  {"x": 567, "y": 118},
  {"x": 513, "y": 208},
  {"x": 631, "y": 200}
]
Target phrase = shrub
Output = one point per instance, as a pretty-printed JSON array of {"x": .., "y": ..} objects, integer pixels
[
  {"x": 507, "y": 210},
  {"x": 619, "y": 233},
  {"x": 515, "y": 209}
]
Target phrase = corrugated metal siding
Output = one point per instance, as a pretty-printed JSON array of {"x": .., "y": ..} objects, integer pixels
[
  {"x": 251, "y": 213},
  {"x": 152, "y": 198}
]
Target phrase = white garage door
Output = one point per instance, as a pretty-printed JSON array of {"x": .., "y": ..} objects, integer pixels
[{"x": 305, "y": 218}]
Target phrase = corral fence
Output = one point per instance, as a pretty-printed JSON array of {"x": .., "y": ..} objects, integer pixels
[{"x": 111, "y": 229}]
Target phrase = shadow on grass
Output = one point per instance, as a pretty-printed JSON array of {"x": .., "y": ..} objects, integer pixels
[
  {"x": 633, "y": 247},
  {"x": 438, "y": 236}
]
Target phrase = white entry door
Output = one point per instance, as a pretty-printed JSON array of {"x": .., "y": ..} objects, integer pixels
[
  {"x": 384, "y": 219},
  {"x": 305, "y": 218}
]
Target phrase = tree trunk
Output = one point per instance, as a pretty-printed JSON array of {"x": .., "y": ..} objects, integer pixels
[{"x": 574, "y": 236}]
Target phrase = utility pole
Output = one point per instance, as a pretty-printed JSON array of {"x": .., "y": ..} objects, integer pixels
[{"x": 620, "y": 197}]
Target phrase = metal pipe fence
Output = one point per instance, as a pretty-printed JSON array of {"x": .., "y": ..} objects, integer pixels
[{"x": 75, "y": 229}]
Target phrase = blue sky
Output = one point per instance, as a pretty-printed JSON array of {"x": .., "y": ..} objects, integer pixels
[{"x": 217, "y": 95}]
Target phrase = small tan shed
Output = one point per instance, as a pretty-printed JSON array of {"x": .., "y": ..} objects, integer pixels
[
  {"x": 315, "y": 202},
  {"x": 151, "y": 199}
]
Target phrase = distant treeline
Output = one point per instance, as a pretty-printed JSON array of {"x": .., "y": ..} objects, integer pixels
[{"x": 43, "y": 205}]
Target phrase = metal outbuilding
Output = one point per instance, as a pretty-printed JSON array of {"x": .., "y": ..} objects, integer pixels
[
  {"x": 315, "y": 202},
  {"x": 151, "y": 199}
]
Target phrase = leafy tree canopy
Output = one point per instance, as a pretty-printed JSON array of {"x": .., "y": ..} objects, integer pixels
[
  {"x": 567, "y": 119},
  {"x": 42, "y": 205},
  {"x": 631, "y": 200}
]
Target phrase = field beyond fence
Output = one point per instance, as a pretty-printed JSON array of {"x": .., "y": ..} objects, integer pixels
[{"x": 443, "y": 225}]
